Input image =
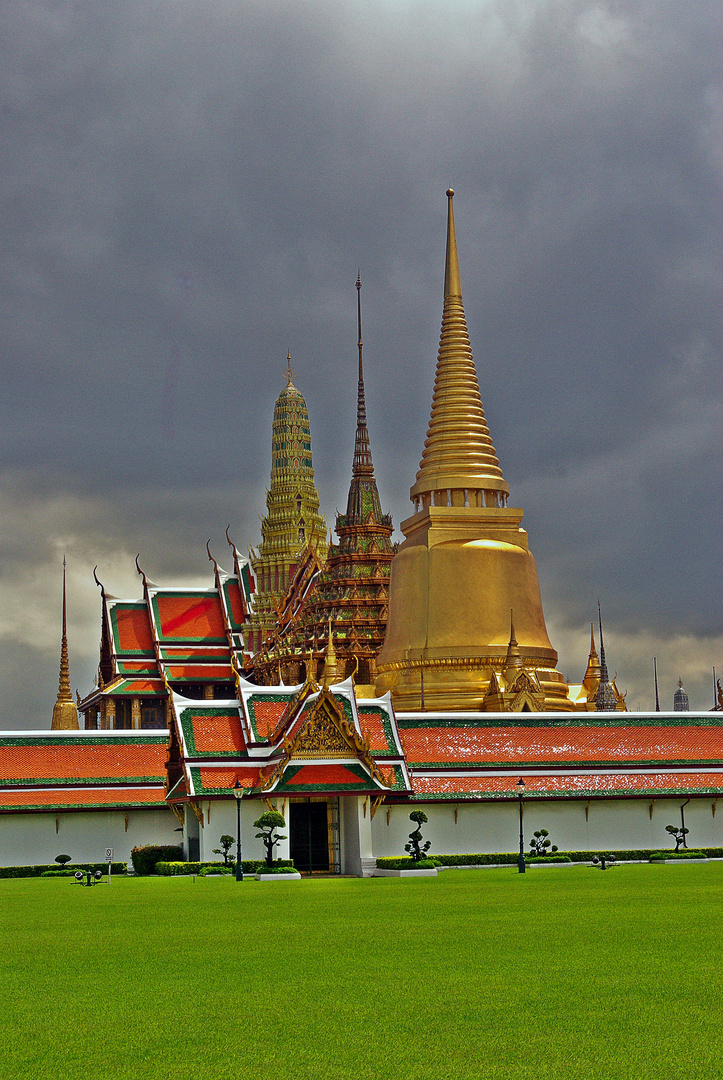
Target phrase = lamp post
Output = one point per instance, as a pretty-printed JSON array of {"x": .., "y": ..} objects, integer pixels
[
  {"x": 521, "y": 858},
  {"x": 239, "y": 794}
]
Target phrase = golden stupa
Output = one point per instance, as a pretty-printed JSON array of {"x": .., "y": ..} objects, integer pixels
[{"x": 465, "y": 562}]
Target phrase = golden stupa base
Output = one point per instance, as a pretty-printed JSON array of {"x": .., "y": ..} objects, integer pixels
[{"x": 461, "y": 684}]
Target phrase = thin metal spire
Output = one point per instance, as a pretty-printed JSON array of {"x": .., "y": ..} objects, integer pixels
[
  {"x": 655, "y": 677},
  {"x": 605, "y": 698},
  {"x": 362, "y": 450}
]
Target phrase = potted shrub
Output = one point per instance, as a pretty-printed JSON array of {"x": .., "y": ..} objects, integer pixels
[
  {"x": 268, "y": 823},
  {"x": 418, "y": 865}
]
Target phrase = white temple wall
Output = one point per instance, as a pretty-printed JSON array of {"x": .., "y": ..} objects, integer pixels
[
  {"x": 612, "y": 824},
  {"x": 219, "y": 818},
  {"x": 31, "y": 839}
]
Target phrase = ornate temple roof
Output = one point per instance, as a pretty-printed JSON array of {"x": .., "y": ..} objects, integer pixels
[
  {"x": 175, "y": 635},
  {"x": 350, "y": 593}
]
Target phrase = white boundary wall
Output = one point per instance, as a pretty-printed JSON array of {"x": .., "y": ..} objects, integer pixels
[
  {"x": 28, "y": 839},
  {"x": 611, "y": 824}
]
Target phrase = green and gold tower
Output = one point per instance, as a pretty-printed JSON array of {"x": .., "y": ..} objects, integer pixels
[{"x": 292, "y": 522}]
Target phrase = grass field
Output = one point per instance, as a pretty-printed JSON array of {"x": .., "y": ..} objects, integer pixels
[{"x": 561, "y": 973}]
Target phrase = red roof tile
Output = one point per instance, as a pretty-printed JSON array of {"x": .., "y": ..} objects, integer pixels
[
  {"x": 64, "y": 798},
  {"x": 225, "y": 779},
  {"x": 188, "y": 617},
  {"x": 581, "y": 782},
  {"x": 193, "y": 672},
  {"x": 372, "y": 722},
  {"x": 325, "y": 774},
  {"x": 267, "y": 715},
  {"x": 214, "y": 734},
  {"x": 91, "y": 761},
  {"x": 133, "y": 628},
  {"x": 559, "y": 744}
]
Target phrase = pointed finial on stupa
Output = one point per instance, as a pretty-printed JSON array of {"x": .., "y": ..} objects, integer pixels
[
  {"x": 458, "y": 453},
  {"x": 65, "y": 711},
  {"x": 605, "y": 700},
  {"x": 330, "y": 672},
  {"x": 655, "y": 679},
  {"x": 362, "y": 450},
  {"x": 452, "y": 282},
  {"x": 513, "y": 661},
  {"x": 591, "y": 678},
  {"x": 289, "y": 373}
]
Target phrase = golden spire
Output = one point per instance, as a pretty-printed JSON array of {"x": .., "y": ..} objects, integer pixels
[
  {"x": 65, "y": 711},
  {"x": 513, "y": 661},
  {"x": 330, "y": 672},
  {"x": 591, "y": 679},
  {"x": 458, "y": 452},
  {"x": 289, "y": 373}
]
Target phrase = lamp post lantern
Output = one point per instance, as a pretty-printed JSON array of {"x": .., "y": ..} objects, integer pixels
[
  {"x": 521, "y": 858},
  {"x": 238, "y": 793}
]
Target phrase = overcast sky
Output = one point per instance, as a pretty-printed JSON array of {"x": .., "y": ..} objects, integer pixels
[{"x": 188, "y": 190}]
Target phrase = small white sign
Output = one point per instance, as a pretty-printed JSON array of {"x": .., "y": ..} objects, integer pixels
[{"x": 109, "y": 854}]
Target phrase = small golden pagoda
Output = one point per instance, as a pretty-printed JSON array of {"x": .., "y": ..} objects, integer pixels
[
  {"x": 465, "y": 562},
  {"x": 293, "y": 522},
  {"x": 65, "y": 711}
]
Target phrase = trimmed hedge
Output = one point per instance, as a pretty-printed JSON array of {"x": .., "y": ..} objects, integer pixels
[
  {"x": 661, "y": 856},
  {"x": 510, "y": 858},
  {"x": 38, "y": 871},
  {"x": 263, "y": 869},
  {"x": 58, "y": 873},
  {"x": 144, "y": 858},
  {"x": 182, "y": 869},
  {"x": 548, "y": 859}
]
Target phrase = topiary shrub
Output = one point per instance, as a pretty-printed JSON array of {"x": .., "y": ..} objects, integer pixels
[
  {"x": 226, "y": 842},
  {"x": 679, "y": 834},
  {"x": 413, "y": 846},
  {"x": 540, "y": 843},
  {"x": 62, "y": 859},
  {"x": 145, "y": 858},
  {"x": 269, "y": 823}
]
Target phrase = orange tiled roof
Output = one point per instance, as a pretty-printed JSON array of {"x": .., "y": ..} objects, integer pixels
[
  {"x": 506, "y": 745},
  {"x": 45, "y": 760},
  {"x": 222, "y": 780},
  {"x": 64, "y": 798},
  {"x": 133, "y": 628},
  {"x": 371, "y": 721},
  {"x": 189, "y": 617},
  {"x": 581, "y": 783},
  {"x": 214, "y": 734},
  {"x": 191, "y": 672},
  {"x": 326, "y": 774},
  {"x": 267, "y": 715}
]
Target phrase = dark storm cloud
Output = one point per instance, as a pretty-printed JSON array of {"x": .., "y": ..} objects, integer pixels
[{"x": 188, "y": 190}]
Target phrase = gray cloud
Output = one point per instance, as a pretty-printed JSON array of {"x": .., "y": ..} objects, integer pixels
[{"x": 188, "y": 191}]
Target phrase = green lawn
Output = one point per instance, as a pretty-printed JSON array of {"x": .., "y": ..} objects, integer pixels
[{"x": 563, "y": 972}]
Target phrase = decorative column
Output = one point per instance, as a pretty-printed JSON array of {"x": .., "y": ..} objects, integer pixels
[{"x": 135, "y": 713}]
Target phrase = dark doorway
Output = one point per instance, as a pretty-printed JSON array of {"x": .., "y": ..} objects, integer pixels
[{"x": 309, "y": 836}]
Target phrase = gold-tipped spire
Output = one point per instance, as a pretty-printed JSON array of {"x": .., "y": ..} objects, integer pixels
[
  {"x": 289, "y": 373},
  {"x": 330, "y": 672},
  {"x": 459, "y": 456},
  {"x": 513, "y": 660},
  {"x": 591, "y": 679},
  {"x": 65, "y": 711}
]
